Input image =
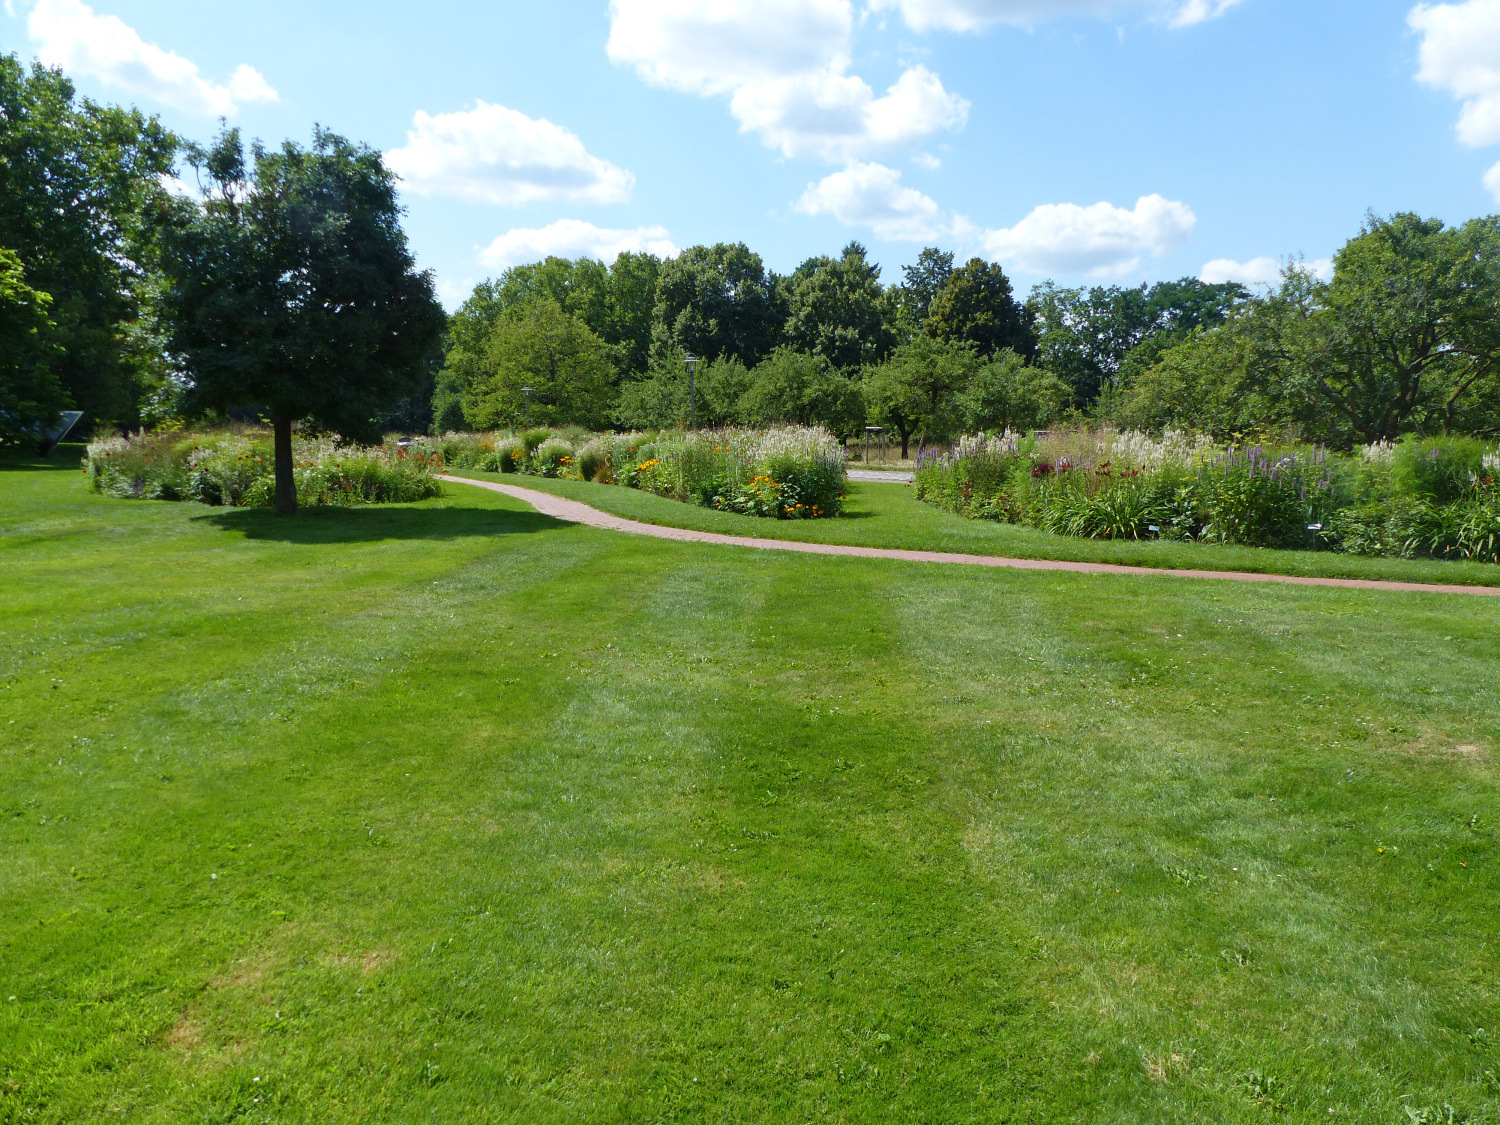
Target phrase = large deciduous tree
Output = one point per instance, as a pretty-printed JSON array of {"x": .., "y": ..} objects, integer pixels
[
  {"x": 802, "y": 387},
  {"x": 1007, "y": 393},
  {"x": 713, "y": 301},
  {"x": 917, "y": 389},
  {"x": 975, "y": 306},
  {"x": 551, "y": 352},
  {"x": 922, "y": 281},
  {"x": 292, "y": 290},
  {"x": 1407, "y": 328},
  {"x": 838, "y": 309},
  {"x": 79, "y": 187}
]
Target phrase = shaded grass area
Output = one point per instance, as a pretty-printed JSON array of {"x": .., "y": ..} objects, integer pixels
[
  {"x": 326, "y": 820},
  {"x": 890, "y": 515}
]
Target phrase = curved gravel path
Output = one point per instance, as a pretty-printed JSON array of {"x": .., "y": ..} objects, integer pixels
[{"x": 574, "y": 512}]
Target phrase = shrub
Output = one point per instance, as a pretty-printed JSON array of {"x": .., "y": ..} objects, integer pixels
[
  {"x": 1440, "y": 470},
  {"x": 552, "y": 457},
  {"x": 1259, "y": 500},
  {"x": 593, "y": 462}
]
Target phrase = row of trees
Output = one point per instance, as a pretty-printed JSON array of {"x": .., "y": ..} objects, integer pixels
[
  {"x": 949, "y": 347},
  {"x": 1405, "y": 337}
]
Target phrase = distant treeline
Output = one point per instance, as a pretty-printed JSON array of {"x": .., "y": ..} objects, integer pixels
[{"x": 1405, "y": 338}]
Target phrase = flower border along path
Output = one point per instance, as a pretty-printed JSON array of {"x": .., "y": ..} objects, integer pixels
[{"x": 574, "y": 512}]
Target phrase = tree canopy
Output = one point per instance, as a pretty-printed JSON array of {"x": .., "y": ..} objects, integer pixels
[
  {"x": 30, "y": 394},
  {"x": 716, "y": 300},
  {"x": 975, "y": 306},
  {"x": 551, "y": 352},
  {"x": 1085, "y": 337},
  {"x": 80, "y": 191},
  {"x": 837, "y": 308},
  {"x": 291, "y": 289}
]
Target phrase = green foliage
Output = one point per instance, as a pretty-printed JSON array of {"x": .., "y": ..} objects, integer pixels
[
  {"x": 661, "y": 400},
  {"x": 1084, "y": 337},
  {"x": 716, "y": 301},
  {"x": 1415, "y": 528},
  {"x": 837, "y": 308},
  {"x": 803, "y": 389},
  {"x": 1406, "y": 329},
  {"x": 80, "y": 195},
  {"x": 236, "y": 470},
  {"x": 1440, "y": 470},
  {"x": 918, "y": 388},
  {"x": 292, "y": 289},
  {"x": 30, "y": 394},
  {"x": 541, "y": 347},
  {"x": 1007, "y": 394},
  {"x": 975, "y": 306},
  {"x": 923, "y": 281},
  {"x": 1262, "y": 499}
]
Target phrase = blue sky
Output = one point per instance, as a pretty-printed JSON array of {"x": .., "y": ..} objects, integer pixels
[{"x": 1083, "y": 140}]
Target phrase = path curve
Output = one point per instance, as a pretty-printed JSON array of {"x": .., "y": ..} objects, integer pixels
[{"x": 574, "y": 512}]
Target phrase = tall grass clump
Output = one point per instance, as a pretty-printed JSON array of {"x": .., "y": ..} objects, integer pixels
[{"x": 235, "y": 469}]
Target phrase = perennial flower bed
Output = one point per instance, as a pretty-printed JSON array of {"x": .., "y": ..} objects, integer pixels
[
  {"x": 1435, "y": 497},
  {"x": 235, "y": 469},
  {"x": 786, "y": 472}
]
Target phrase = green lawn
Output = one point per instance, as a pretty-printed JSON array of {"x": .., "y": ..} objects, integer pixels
[
  {"x": 453, "y": 812},
  {"x": 889, "y": 515}
]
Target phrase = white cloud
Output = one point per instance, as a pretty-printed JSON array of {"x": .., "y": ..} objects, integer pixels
[
  {"x": 454, "y": 293},
  {"x": 872, "y": 195},
  {"x": 784, "y": 66},
  {"x": 1492, "y": 182},
  {"x": 571, "y": 238},
  {"x": 927, "y": 160},
  {"x": 491, "y": 154},
  {"x": 973, "y": 15},
  {"x": 1262, "y": 272},
  {"x": 1257, "y": 271},
  {"x": 1101, "y": 241},
  {"x": 1460, "y": 53},
  {"x": 73, "y": 36}
]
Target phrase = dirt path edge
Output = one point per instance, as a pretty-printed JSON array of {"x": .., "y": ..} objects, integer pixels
[{"x": 575, "y": 512}]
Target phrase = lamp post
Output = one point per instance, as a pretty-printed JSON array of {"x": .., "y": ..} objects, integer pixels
[
  {"x": 692, "y": 365},
  {"x": 527, "y": 392}
]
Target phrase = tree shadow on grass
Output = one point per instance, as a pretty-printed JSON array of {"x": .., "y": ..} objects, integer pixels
[
  {"x": 64, "y": 458},
  {"x": 369, "y": 525}
]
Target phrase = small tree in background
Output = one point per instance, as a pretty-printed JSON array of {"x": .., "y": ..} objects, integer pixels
[
  {"x": 917, "y": 389},
  {"x": 793, "y": 386},
  {"x": 292, "y": 289},
  {"x": 542, "y": 347},
  {"x": 1006, "y": 394}
]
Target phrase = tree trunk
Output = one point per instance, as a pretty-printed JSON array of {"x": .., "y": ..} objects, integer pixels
[
  {"x": 286, "y": 482},
  {"x": 905, "y": 442}
]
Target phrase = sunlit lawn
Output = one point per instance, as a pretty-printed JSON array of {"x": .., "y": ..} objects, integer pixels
[
  {"x": 890, "y": 515},
  {"x": 452, "y": 812}
]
